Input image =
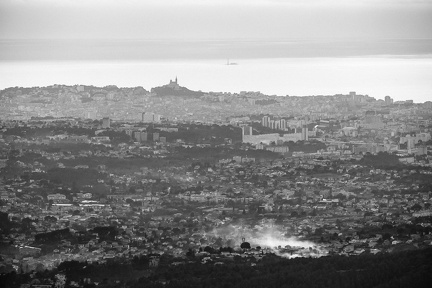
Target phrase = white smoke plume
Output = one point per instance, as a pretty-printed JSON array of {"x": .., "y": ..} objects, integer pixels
[{"x": 269, "y": 236}]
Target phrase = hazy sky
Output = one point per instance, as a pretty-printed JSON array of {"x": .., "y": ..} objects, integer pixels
[{"x": 205, "y": 19}]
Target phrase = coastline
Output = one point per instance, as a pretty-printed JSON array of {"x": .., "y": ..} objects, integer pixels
[{"x": 399, "y": 77}]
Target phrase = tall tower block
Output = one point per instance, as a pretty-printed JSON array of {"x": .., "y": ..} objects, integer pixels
[{"x": 246, "y": 131}]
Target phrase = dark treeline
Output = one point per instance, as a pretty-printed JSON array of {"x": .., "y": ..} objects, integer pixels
[
  {"x": 105, "y": 232},
  {"x": 53, "y": 236},
  {"x": 381, "y": 160},
  {"x": 182, "y": 91},
  {"x": 407, "y": 269},
  {"x": 70, "y": 176},
  {"x": 5, "y": 224},
  {"x": 198, "y": 133},
  {"x": 402, "y": 269},
  {"x": 308, "y": 147},
  {"x": 213, "y": 154}
]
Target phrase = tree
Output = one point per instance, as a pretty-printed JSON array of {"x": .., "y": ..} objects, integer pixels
[
  {"x": 386, "y": 236},
  {"x": 60, "y": 280},
  {"x": 190, "y": 253},
  {"x": 5, "y": 224},
  {"x": 74, "y": 187},
  {"x": 209, "y": 249},
  {"x": 245, "y": 245},
  {"x": 26, "y": 223},
  {"x": 50, "y": 218},
  {"x": 416, "y": 207},
  {"x": 230, "y": 191},
  {"x": 340, "y": 196},
  {"x": 231, "y": 203},
  {"x": 368, "y": 213}
]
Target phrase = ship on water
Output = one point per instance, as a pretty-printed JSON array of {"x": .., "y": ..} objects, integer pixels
[{"x": 231, "y": 63}]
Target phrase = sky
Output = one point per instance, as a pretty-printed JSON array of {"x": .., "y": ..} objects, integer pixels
[{"x": 223, "y": 19}]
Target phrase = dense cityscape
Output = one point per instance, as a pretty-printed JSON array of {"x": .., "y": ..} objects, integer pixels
[{"x": 148, "y": 180}]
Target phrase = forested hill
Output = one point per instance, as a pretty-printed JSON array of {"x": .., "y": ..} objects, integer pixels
[
  {"x": 396, "y": 270},
  {"x": 166, "y": 90},
  {"x": 404, "y": 269}
]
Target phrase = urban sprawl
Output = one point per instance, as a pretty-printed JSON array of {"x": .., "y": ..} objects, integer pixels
[{"x": 100, "y": 175}]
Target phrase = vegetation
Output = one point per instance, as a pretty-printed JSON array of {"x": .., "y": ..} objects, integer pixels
[
  {"x": 266, "y": 102},
  {"x": 70, "y": 177},
  {"x": 401, "y": 269},
  {"x": 53, "y": 236},
  {"x": 196, "y": 133},
  {"x": 183, "y": 92},
  {"x": 382, "y": 160}
]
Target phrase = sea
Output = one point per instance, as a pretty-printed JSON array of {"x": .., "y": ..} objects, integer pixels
[{"x": 401, "y": 69}]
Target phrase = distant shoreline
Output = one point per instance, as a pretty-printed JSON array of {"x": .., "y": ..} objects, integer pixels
[{"x": 399, "y": 77}]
